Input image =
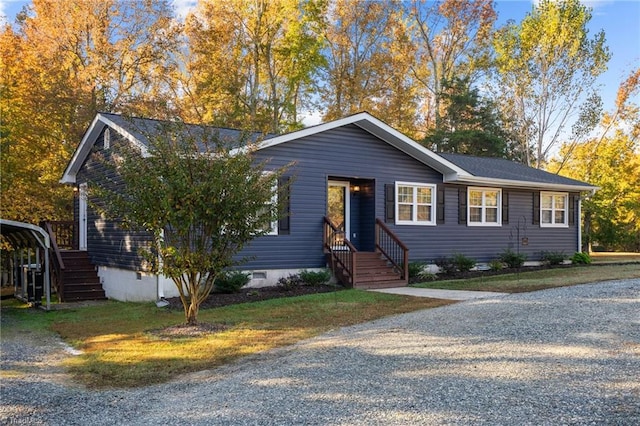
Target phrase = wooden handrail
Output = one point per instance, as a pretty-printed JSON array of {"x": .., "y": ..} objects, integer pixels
[
  {"x": 393, "y": 236},
  {"x": 345, "y": 259},
  {"x": 54, "y": 244},
  {"x": 336, "y": 230},
  {"x": 66, "y": 233},
  {"x": 57, "y": 264},
  {"x": 397, "y": 254}
]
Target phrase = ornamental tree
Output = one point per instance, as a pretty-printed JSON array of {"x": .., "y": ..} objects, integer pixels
[{"x": 199, "y": 198}]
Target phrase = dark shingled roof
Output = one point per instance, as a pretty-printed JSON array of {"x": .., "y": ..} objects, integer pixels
[
  {"x": 140, "y": 128},
  {"x": 499, "y": 168}
]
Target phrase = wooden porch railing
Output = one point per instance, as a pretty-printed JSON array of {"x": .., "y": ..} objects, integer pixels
[
  {"x": 341, "y": 251},
  {"x": 56, "y": 265},
  {"x": 66, "y": 234},
  {"x": 390, "y": 246}
]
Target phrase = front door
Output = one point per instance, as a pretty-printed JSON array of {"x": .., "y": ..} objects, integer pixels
[{"x": 338, "y": 210}]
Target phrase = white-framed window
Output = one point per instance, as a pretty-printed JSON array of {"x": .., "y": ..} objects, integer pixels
[
  {"x": 272, "y": 226},
  {"x": 483, "y": 207},
  {"x": 415, "y": 203},
  {"x": 554, "y": 209}
]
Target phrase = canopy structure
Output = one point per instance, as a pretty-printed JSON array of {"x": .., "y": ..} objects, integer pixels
[{"x": 33, "y": 244}]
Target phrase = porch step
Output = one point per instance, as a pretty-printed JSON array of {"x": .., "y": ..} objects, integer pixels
[
  {"x": 381, "y": 284},
  {"x": 373, "y": 271},
  {"x": 80, "y": 279}
]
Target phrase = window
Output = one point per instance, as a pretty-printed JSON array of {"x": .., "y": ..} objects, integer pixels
[
  {"x": 415, "y": 203},
  {"x": 272, "y": 227},
  {"x": 553, "y": 209},
  {"x": 484, "y": 207}
]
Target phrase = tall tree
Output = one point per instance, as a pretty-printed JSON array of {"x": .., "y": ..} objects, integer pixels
[
  {"x": 454, "y": 41},
  {"x": 610, "y": 160},
  {"x": 546, "y": 69},
  {"x": 252, "y": 62},
  {"x": 470, "y": 124},
  {"x": 369, "y": 57},
  {"x": 63, "y": 62}
]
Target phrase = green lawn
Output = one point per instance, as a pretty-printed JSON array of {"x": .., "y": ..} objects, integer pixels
[
  {"x": 538, "y": 280},
  {"x": 612, "y": 257},
  {"x": 123, "y": 347},
  {"x": 123, "y": 344}
]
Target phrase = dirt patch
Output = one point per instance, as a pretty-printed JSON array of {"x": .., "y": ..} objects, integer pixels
[{"x": 187, "y": 330}]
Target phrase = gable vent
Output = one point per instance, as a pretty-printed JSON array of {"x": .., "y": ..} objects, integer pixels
[{"x": 106, "y": 138}]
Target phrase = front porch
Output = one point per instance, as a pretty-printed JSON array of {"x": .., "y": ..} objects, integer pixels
[{"x": 387, "y": 266}]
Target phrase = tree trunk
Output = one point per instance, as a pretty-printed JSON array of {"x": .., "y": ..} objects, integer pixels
[
  {"x": 586, "y": 233},
  {"x": 191, "y": 312}
]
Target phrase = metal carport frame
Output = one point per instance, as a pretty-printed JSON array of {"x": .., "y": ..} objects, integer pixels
[{"x": 27, "y": 236}]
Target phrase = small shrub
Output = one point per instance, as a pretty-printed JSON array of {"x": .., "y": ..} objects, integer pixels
[
  {"x": 230, "y": 282},
  {"x": 416, "y": 269},
  {"x": 581, "y": 258},
  {"x": 290, "y": 282},
  {"x": 553, "y": 257},
  {"x": 446, "y": 265},
  {"x": 496, "y": 265},
  {"x": 315, "y": 278},
  {"x": 512, "y": 259},
  {"x": 463, "y": 263}
]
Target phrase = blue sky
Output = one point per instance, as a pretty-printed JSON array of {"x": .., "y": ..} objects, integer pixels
[{"x": 620, "y": 20}]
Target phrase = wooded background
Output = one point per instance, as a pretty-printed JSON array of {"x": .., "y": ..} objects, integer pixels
[{"x": 441, "y": 72}]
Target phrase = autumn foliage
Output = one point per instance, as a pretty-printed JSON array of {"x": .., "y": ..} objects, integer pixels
[{"x": 526, "y": 89}]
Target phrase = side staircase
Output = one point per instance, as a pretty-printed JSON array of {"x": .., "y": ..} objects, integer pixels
[
  {"x": 80, "y": 280},
  {"x": 72, "y": 273}
]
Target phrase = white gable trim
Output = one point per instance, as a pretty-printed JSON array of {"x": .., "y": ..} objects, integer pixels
[{"x": 89, "y": 139}]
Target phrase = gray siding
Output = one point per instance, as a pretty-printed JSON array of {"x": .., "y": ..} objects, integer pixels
[
  {"x": 350, "y": 152},
  {"x": 486, "y": 243},
  {"x": 346, "y": 153},
  {"x": 107, "y": 243}
]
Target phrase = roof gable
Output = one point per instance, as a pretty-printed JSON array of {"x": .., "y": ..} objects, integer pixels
[
  {"x": 379, "y": 129},
  {"x": 137, "y": 130},
  {"x": 455, "y": 168}
]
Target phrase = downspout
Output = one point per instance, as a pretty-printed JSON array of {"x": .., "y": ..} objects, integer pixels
[{"x": 161, "y": 302}]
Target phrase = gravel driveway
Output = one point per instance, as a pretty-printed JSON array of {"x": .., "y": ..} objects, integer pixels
[{"x": 563, "y": 356}]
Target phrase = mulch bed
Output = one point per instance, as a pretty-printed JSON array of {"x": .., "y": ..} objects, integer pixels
[
  {"x": 489, "y": 273},
  {"x": 217, "y": 300}
]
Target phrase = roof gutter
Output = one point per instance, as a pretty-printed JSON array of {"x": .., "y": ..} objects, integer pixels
[{"x": 508, "y": 183}]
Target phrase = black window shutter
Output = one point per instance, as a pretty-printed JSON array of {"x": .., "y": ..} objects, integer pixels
[
  {"x": 389, "y": 203},
  {"x": 462, "y": 205},
  {"x": 572, "y": 210},
  {"x": 505, "y": 208},
  {"x": 440, "y": 205},
  {"x": 536, "y": 208},
  {"x": 284, "y": 204}
]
